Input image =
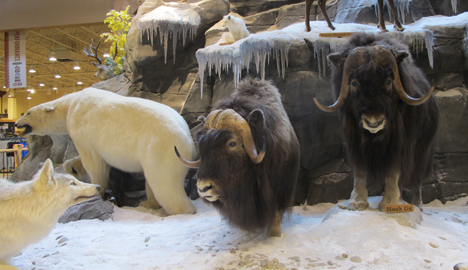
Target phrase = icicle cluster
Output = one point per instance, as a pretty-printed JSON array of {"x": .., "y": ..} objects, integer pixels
[
  {"x": 417, "y": 41},
  {"x": 257, "y": 48},
  {"x": 454, "y": 6},
  {"x": 176, "y": 21},
  {"x": 322, "y": 48}
]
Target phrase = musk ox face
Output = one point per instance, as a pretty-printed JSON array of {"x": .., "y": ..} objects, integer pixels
[
  {"x": 372, "y": 98},
  {"x": 224, "y": 166},
  {"x": 371, "y": 86}
]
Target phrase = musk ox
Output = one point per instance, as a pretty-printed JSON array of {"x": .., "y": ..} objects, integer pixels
[
  {"x": 388, "y": 114},
  {"x": 251, "y": 188}
]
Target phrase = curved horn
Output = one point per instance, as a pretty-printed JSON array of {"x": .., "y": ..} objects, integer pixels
[
  {"x": 343, "y": 92},
  {"x": 231, "y": 120},
  {"x": 190, "y": 164},
  {"x": 399, "y": 87}
]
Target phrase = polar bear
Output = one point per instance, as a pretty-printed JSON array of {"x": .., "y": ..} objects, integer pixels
[
  {"x": 128, "y": 133},
  {"x": 236, "y": 27}
]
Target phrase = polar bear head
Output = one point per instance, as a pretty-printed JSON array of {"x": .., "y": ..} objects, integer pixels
[{"x": 43, "y": 119}]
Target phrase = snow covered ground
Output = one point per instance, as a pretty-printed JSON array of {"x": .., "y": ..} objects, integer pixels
[{"x": 342, "y": 240}]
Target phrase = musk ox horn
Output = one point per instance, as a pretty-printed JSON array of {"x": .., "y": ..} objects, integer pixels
[
  {"x": 344, "y": 86},
  {"x": 231, "y": 120},
  {"x": 399, "y": 87},
  {"x": 190, "y": 164}
]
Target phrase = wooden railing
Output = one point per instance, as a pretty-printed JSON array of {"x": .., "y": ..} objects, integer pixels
[{"x": 18, "y": 151}]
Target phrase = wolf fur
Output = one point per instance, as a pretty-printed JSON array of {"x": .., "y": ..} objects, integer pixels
[
  {"x": 29, "y": 210},
  {"x": 127, "y": 133}
]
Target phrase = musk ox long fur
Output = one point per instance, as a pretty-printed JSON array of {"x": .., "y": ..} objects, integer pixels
[
  {"x": 388, "y": 114},
  {"x": 251, "y": 188}
]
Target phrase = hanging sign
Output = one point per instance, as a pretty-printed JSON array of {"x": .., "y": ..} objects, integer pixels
[{"x": 15, "y": 59}]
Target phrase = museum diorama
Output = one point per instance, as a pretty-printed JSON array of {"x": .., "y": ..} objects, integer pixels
[{"x": 264, "y": 110}]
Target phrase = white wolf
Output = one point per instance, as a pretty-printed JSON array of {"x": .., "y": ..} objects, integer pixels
[{"x": 29, "y": 210}]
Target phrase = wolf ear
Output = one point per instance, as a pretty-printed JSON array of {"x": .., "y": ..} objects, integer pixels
[
  {"x": 45, "y": 175},
  {"x": 48, "y": 109}
]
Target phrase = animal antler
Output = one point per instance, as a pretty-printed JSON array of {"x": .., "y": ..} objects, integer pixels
[{"x": 91, "y": 48}]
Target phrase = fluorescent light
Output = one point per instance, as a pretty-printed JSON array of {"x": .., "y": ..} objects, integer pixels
[
  {"x": 55, "y": 88},
  {"x": 41, "y": 84},
  {"x": 57, "y": 76},
  {"x": 32, "y": 70},
  {"x": 76, "y": 68},
  {"x": 52, "y": 56},
  {"x": 79, "y": 82}
]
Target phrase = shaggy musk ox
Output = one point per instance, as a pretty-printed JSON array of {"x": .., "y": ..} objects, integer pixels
[
  {"x": 251, "y": 188},
  {"x": 388, "y": 114}
]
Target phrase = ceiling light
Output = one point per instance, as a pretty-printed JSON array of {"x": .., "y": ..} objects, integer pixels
[
  {"x": 31, "y": 70},
  {"x": 4, "y": 86},
  {"x": 28, "y": 97},
  {"x": 57, "y": 76},
  {"x": 31, "y": 91},
  {"x": 79, "y": 82},
  {"x": 52, "y": 56},
  {"x": 76, "y": 67},
  {"x": 55, "y": 88},
  {"x": 41, "y": 84},
  {"x": 106, "y": 55}
]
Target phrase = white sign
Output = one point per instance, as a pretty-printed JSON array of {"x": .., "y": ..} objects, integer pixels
[{"x": 15, "y": 59}]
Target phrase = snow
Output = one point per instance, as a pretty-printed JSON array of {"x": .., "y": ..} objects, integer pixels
[
  {"x": 170, "y": 20},
  {"x": 314, "y": 237}
]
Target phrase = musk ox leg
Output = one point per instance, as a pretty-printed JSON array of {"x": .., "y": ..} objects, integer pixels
[
  {"x": 274, "y": 229},
  {"x": 150, "y": 202},
  {"x": 166, "y": 181},
  {"x": 358, "y": 200},
  {"x": 392, "y": 192},
  {"x": 97, "y": 169}
]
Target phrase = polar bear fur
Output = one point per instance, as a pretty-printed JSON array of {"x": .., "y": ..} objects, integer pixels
[
  {"x": 128, "y": 133},
  {"x": 29, "y": 210},
  {"x": 236, "y": 27}
]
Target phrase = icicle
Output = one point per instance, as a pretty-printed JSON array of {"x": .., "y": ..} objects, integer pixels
[
  {"x": 429, "y": 41},
  {"x": 454, "y": 6}
]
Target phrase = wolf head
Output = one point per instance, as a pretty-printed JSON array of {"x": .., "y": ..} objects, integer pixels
[{"x": 63, "y": 190}]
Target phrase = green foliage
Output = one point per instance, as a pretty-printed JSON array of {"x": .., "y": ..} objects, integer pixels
[{"x": 119, "y": 23}]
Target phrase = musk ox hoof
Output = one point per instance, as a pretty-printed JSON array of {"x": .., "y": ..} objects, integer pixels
[{"x": 355, "y": 206}]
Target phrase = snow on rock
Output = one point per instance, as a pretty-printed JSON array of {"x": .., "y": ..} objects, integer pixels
[
  {"x": 310, "y": 239},
  {"x": 261, "y": 46},
  {"x": 176, "y": 20}
]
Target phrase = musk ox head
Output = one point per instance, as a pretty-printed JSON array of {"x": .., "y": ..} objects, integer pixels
[
  {"x": 226, "y": 173},
  {"x": 371, "y": 86}
]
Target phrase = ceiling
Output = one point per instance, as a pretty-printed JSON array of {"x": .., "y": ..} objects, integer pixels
[
  {"x": 64, "y": 27},
  {"x": 68, "y": 44}
]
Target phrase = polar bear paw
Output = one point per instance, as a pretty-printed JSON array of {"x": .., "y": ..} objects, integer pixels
[{"x": 150, "y": 205}]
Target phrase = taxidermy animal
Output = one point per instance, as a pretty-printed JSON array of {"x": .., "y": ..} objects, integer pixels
[
  {"x": 130, "y": 134},
  {"x": 236, "y": 27},
  {"x": 29, "y": 210},
  {"x": 249, "y": 158},
  {"x": 381, "y": 25},
  {"x": 388, "y": 115}
]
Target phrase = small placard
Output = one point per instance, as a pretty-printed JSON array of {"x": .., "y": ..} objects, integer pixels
[
  {"x": 336, "y": 34},
  {"x": 399, "y": 208}
]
